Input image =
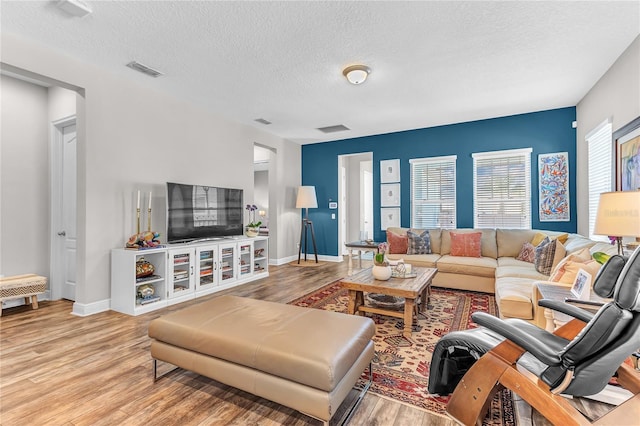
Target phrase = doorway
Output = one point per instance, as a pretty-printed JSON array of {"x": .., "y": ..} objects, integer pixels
[
  {"x": 63, "y": 209},
  {"x": 355, "y": 193}
]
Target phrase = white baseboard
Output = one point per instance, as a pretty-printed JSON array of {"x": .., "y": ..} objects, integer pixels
[
  {"x": 86, "y": 309},
  {"x": 285, "y": 260}
]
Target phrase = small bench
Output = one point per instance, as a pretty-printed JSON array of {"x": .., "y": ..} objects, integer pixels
[
  {"x": 303, "y": 358},
  {"x": 27, "y": 286}
]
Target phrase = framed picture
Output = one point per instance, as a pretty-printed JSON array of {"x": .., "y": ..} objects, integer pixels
[
  {"x": 627, "y": 148},
  {"x": 553, "y": 184},
  {"x": 389, "y": 217},
  {"x": 581, "y": 288},
  {"x": 390, "y": 171},
  {"x": 390, "y": 195}
]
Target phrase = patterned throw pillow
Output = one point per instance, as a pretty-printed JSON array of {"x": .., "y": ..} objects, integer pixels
[
  {"x": 418, "y": 243},
  {"x": 398, "y": 244},
  {"x": 548, "y": 254},
  {"x": 467, "y": 244},
  {"x": 567, "y": 269},
  {"x": 527, "y": 253}
]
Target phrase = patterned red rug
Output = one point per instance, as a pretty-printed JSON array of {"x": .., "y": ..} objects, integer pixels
[{"x": 401, "y": 365}]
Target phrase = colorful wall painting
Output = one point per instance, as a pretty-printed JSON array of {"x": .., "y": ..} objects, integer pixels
[
  {"x": 553, "y": 175},
  {"x": 630, "y": 165}
]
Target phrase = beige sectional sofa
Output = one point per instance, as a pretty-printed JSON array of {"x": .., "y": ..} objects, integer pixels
[{"x": 497, "y": 270}]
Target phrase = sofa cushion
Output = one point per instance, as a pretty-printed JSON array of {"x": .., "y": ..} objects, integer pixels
[
  {"x": 605, "y": 248},
  {"x": 434, "y": 235},
  {"x": 548, "y": 254},
  {"x": 479, "y": 266},
  {"x": 510, "y": 267},
  {"x": 488, "y": 246},
  {"x": 466, "y": 244},
  {"x": 418, "y": 243},
  {"x": 577, "y": 242},
  {"x": 537, "y": 239},
  {"x": 510, "y": 241},
  {"x": 513, "y": 296},
  {"x": 424, "y": 260},
  {"x": 398, "y": 244},
  {"x": 567, "y": 269},
  {"x": 527, "y": 253}
]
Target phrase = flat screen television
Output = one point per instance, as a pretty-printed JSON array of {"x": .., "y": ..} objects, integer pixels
[{"x": 198, "y": 212}]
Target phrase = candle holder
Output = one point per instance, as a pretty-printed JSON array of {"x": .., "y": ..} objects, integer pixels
[
  {"x": 149, "y": 220},
  {"x": 138, "y": 220}
]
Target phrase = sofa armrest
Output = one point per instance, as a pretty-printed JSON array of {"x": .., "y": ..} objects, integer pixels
[{"x": 538, "y": 311}]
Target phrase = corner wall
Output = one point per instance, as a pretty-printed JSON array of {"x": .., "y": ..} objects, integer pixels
[{"x": 616, "y": 96}]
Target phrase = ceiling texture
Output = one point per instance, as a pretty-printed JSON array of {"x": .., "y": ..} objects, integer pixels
[{"x": 432, "y": 62}]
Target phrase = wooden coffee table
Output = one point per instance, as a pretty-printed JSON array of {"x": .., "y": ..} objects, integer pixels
[{"x": 409, "y": 288}]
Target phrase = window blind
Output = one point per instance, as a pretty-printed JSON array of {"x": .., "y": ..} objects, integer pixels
[
  {"x": 433, "y": 192},
  {"x": 599, "y": 142},
  {"x": 502, "y": 189}
]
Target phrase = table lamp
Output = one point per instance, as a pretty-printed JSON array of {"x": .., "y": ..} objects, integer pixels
[
  {"x": 618, "y": 215},
  {"x": 307, "y": 199}
]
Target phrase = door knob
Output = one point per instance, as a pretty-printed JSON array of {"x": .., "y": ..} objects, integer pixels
[{"x": 62, "y": 233}]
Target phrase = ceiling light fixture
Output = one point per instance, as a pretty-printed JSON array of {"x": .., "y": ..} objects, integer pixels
[
  {"x": 75, "y": 7},
  {"x": 356, "y": 74}
]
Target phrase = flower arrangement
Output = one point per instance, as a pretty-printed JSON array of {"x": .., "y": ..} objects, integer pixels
[
  {"x": 379, "y": 258},
  {"x": 251, "y": 208}
]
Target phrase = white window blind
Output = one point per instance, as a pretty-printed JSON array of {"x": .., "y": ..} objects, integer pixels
[
  {"x": 502, "y": 189},
  {"x": 599, "y": 149},
  {"x": 433, "y": 192}
]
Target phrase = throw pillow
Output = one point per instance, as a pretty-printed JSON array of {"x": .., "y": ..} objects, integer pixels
[
  {"x": 418, "y": 243},
  {"x": 548, "y": 254},
  {"x": 398, "y": 244},
  {"x": 537, "y": 239},
  {"x": 467, "y": 244},
  {"x": 567, "y": 269},
  {"x": 527, "y": 253}
]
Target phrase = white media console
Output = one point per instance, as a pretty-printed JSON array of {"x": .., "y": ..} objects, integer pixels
[{"x": 185, "y": 271}]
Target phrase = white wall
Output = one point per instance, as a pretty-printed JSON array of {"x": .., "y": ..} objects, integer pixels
[
  {"x": 24, "y": 177},
  {"x": 131, "y": 137},
  {"x": 617, "y": 96}
]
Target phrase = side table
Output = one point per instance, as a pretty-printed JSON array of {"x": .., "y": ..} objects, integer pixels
[{"x": 362, "y": 247}]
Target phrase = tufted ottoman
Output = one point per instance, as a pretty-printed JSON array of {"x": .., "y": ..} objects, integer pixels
[{"x": 306, "y": 359}]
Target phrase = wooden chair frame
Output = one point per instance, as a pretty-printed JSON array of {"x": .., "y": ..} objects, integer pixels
[{"x": 497, "y": 370}]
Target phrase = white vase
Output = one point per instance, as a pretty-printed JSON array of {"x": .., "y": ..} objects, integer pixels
[
  {"x": 251, "y": 231},
  {"x": 381, "y": 273}
]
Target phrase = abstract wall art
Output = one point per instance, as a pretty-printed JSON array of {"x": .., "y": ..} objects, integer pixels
[{"x": 553, "y": 178}]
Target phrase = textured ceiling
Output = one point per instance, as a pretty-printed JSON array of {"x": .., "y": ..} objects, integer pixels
[{"x": 432, "y": 63}]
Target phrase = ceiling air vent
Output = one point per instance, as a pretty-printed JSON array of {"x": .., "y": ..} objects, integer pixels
[
  {"x": 262, "y": 121},
  {"x": 333, "y": 129},
  {"x": 134, "y": 65}
]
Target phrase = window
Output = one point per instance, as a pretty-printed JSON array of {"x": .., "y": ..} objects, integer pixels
[
  {"x": 600, "y": 164},
  {"x": 433, "y": 192},
  {"x": 502, "y": 189}
]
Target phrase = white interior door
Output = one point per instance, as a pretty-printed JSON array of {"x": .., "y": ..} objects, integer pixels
[{"x": 63, "y": 211}]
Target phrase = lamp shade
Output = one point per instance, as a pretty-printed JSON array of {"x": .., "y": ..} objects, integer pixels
[
  {"x": 306, "y": 197},
  {"x": 618, "y": 214}
]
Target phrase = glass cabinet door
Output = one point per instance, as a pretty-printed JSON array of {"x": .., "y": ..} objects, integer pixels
[
  {"x": 246, "y": 258},
  {"x": 206, "y": 259},
  {"x": 181, "y": 272},
  {"x": 228, "y": 264}
]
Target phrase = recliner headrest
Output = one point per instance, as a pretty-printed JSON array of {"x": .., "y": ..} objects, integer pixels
[
  {"x": 627, "y": 293},
  {"x": 604, "y": 284}
]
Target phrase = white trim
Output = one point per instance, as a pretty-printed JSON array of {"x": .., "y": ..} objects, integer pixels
[
  {"x": 503, "y": 153},
  {"x": 289, "y": 259},
  {"x": 86, "y": 309},
  {"x": 433, "y": 159},
  {"x": 598, "y": 128}
]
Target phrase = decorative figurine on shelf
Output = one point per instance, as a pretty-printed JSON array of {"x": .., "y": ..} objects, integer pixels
[
  {"x": 146, "y": 291},
  {"x": 144, "y": 240},
  {"x": 144, "y": 268}
]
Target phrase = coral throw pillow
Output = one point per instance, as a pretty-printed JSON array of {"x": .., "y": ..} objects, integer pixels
[
  {"x": 548, "y": 254},
  {"x": 418, "y": 243},
  {"x": 527, "y": 253},
  {"x": 398, "y": 244},
  {"x": 567, "y": 269},
  {"x": 467, "y": 244}
]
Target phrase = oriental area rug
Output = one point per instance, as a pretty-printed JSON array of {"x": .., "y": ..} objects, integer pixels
[{"x": 401, "y": 365}]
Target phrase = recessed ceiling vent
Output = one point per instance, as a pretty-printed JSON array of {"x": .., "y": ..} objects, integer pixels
[
  {"x": 134, "y": 65},
  {"x": 333, "y": 129},
  {"x": 262, "y": 121}
]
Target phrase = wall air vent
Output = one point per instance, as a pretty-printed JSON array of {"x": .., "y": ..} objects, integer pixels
[
  {"x": 134, "y": 65},
  {"x": 333, "y": 129},
  {"x": 262, "y": 121}
]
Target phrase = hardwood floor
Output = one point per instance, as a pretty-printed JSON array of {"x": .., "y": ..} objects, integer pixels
[{"x": 60, "y": 369}]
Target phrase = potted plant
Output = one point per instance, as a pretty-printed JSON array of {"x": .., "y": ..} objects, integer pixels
[
  {"x": 253, "y": 227},
  {"x": 381, "y": 269}
]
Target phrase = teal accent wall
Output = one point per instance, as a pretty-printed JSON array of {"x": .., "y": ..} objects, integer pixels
[{"x": 544, "y": 132}]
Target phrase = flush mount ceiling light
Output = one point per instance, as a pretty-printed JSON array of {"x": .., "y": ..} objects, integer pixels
[
  {"x": 74, "y": 7},
  {"x": 356, "y": 74}
]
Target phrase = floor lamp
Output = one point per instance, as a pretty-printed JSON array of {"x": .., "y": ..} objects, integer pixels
[
  {"x": 306, "y": 200},
  {"x": 618, "y": 215}
]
